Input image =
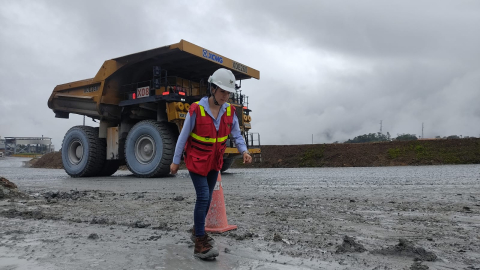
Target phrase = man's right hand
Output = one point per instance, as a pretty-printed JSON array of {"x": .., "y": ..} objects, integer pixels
[{"x": 174, "y": 168}]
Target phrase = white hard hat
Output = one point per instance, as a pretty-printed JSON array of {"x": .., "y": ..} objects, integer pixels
[{"x": 224, "y": 79}]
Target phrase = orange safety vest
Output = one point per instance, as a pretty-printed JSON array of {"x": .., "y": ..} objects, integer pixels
[{"x": 205, "y": 146}]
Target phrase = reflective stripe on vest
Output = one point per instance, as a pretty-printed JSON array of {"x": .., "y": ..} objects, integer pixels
[
  {"x": 222, "y": 139},
  {"x": 202, "y": 110},
  {"x": 203, "y": 139},
  {"x": 210, "y": 140}
]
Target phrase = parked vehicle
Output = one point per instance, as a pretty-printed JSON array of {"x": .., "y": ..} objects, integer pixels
[{"x": 141, "y": 101}]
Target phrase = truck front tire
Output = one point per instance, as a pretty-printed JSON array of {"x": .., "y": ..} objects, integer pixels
[
  {"x": 149, "y": 149},
  {"x": 83, "y": 153}
]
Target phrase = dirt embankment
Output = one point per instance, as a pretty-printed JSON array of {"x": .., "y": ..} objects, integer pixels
[{"x": 422, "y": 152}]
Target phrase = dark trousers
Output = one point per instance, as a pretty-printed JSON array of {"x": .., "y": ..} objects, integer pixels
[{"x": 204, "y": 186}]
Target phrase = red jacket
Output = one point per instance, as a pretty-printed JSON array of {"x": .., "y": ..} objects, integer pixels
[{"x": 205, "y": 146}]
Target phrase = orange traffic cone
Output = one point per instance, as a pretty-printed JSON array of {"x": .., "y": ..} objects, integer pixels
[{"x": 216, "y": 220}]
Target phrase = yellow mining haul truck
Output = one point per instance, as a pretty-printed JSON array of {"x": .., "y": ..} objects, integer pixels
[{"x": 142, "y": 100}]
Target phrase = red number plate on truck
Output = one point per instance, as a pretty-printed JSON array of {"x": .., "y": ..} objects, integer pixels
[{"x": 143, "y": 92}]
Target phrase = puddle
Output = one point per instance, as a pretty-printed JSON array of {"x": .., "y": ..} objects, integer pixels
[
  {"x": 12, "y": 262},
  {"x": 13, "y": 162}
]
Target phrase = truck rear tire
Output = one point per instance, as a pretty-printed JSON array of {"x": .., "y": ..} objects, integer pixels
[
  {"x": 83, "y": 153},
  {"x": 149, "y": 149},
  {"x": 227, "y": 162}
]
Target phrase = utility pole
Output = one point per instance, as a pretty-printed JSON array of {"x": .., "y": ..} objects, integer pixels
[
  {"x": 312, "y": 138},
  {"x": 422, "y": 129},
  {"x": 381, "y": 126}
]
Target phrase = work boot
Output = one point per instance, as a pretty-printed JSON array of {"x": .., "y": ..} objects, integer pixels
[
  {"x": 203, "y": 249},
  {"x": 210, "y": 239}
]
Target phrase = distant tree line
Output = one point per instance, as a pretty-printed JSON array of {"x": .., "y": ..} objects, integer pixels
[
  {"x": 379, "y": 137},
  {"x": 406, "y": 137},
  {"x": 371, "y": 137}
]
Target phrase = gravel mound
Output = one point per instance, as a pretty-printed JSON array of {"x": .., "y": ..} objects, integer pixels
[
  {"x": 406, "y": 248},
  {"x": 349, "y": 245},
  {"x": 50, "y": 161},
  {"x": 14, "y": 213},
  {"x": 9, "y": 190},
  {"x": 54, "y": 161},
  {"x": 57, "y": 195}
]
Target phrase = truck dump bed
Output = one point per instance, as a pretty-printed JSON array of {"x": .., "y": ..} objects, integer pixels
[{"x": 100, "y": 97}]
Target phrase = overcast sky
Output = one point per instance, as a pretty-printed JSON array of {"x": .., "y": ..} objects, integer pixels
[{"x": 331, "y": 69}]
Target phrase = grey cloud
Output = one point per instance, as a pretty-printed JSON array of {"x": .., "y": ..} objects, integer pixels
[
  {"x": 332, "y": 69},
  {"x": 390, "y": 29}
]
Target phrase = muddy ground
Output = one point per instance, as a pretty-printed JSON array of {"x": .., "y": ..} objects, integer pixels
[{"x": 423, "y": 217}]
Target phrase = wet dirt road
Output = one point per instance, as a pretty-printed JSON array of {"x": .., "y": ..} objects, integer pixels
[{"x": 319, "y": 218}]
